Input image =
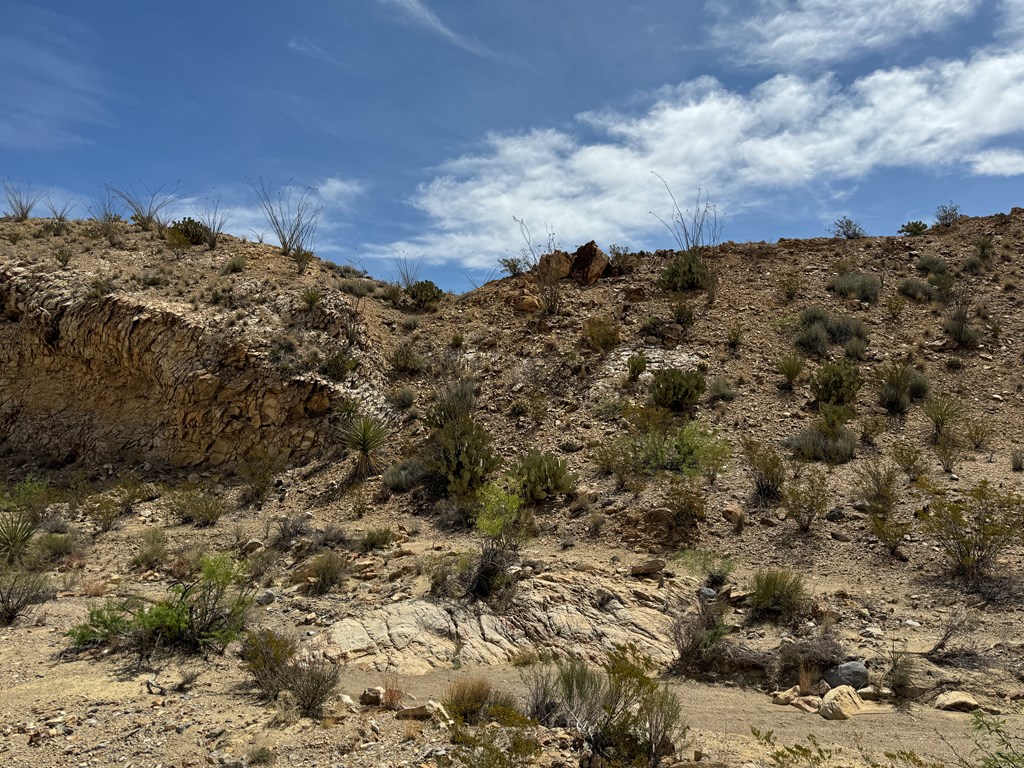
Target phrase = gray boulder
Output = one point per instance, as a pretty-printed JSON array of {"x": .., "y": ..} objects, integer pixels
[{"x": 852, "y": 673}]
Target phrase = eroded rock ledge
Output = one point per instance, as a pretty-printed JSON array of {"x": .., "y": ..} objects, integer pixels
[{"x": 108, "y": 378}]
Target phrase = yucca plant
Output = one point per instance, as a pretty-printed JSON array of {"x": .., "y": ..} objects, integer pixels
[
  {"x": 16, "y": 530},
  {"x": 366, "y": 436},
  {"x": 790, "y": 366},
  {"x": 311, "y": 297}
]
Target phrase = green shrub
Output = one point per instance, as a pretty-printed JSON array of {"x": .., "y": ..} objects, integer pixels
[
  {"x": 931, "y": 265},
  {"x": 405, "y": 359},
  {"x": 622, "y": 713},
  {"x": 767, "y": 469},
  {"x": 910, "y": 459},
  {"x": 366, "y": 437},
  {"x": 843, "y": 329},
  {"x": 636, "y": 365},
  {"x": 856, "y": 348},
  {"x": 464, "y": 456},
  {"x": 501, "y": 515},
  {"x": 312, "y": 684},
  {"x": 856, "y": 285},
  {"x": 542, "y": 474},
  {"x": 790, "y": 366},
  {"x": 16, "y": 531},
  {"x": 198, "y": 507},
  {"x": 805, "y": 498},
  {"x": 324, "y": 572},
  {"x": 234, "y": 265},
  {"x": 913, "y": 229},
  {"x": 697, "y": 637},
  {"x": 942, "y": 285},
  {"x": 360, "y": 288},
  {"x": 466, "y": 699},
  {"x": 267, "y": 656},
  {"x": 776, "y": 595},
  {"x": 683, "y": 315},
  {"x": 916, "y": 290},
  {"x": 601, "y": 334},
  {"x": 402, "y": 398},
  {"x": 687, "y": 271},
  {"x": 1017, "y": 461},
  {"x": 893, "y": 386},
  {"x": 195, "y": 232},
  {"x": 377, "y": 538},
  {"x": 152, "y": 550},
  {"x": 836, "y": 383},
  {"x": 813, "y": 339},
  {"x": 974, "y": 530},
  {"x": 878, "y": 485},
  {"x": 424, "y": 294},
  {"x": 847, "y": 228},
  {"x": 721, "y": 389},
  {"x": 20, "y": 589},
  {"x": 828, "y": 439},
  {"x": 205, "y": 613},
  {"x": 676, "y": 389},
  {"x": 258, "y": 471}
]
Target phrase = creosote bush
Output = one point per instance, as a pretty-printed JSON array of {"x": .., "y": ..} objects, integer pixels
[
  {"x": 805, "y": 498},
  {"x": 973, "y": 530},
  {"x": 767, "y": 468},
  {"x": 19, "y": 590},
  {"x": 847, "y": 228},
  {"x": 268, "y": 655},
  {"x": 198, "y": 507},
  {"x": 204, "y": 613}
]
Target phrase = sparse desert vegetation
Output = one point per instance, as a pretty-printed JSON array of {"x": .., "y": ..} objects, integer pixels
[{"x": 293, "y": 484}]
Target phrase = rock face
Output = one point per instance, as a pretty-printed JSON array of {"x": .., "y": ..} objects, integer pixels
[
  {"x": 588, "y": 264},
  {"x": 106, "y": 379}
]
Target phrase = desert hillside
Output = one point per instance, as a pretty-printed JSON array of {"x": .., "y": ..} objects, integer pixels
[{"x": 769, "y": 484}]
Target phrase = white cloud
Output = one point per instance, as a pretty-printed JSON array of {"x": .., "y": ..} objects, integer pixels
[
  {"x": 802, "y": 33},
  {"x": 788, "y": 133},
  {"x": 998, "y": 162},
  {"x": 340, "y": 193},
  {"x": 1012, "y": 27},
  {"x": 417, "y": 12},
  {"x": 306, "y": 47}
]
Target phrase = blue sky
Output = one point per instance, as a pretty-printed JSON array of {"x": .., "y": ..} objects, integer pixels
[{"x": 427, "y": 125}]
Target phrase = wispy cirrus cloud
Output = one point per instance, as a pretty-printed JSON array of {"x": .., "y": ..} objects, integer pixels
[
  {"x": 306, "y": 47},
  {"x": 417, "y": 12},
  {"x": 789, "y": 134},
  {"x": 51, "y": 88},
  {"x": 798, "y": 34}
]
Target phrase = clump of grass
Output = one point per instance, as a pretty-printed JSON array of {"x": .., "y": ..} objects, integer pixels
[
  {"x": 856, "y": 285},
  {"x": 601, "y": 334},
  {"x": 776, "y": 595},
  {"x": 405, "y": 359},
  {"x": 378, "y": 538},
  {"x": 636, "y": 365},
  {"x": 942, "y": 411},
  {"x": 790, "y": 366},
  {"x": 198, "y": 507},
  {"x": 325, "y": 572},
  {"x": 767, "y": 468}
]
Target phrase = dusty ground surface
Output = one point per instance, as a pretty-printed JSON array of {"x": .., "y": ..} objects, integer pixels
[{"x": 540, "y": 387}]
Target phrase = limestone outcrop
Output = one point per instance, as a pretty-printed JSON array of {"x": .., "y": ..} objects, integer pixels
[{"x": 106, "y": 378}]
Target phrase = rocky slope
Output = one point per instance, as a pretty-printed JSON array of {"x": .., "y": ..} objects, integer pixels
[{"x": 142, "y": 364}]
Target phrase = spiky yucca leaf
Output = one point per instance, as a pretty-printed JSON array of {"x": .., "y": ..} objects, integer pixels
[
  {"x": 366, "y": 436},
  {"x": 16, "y": 529}
]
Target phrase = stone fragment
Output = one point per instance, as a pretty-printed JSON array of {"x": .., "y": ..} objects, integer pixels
[
  {"x": 957, "y": 701},
  {"x": 648, "y": 569},
  {"x": 372, "y": 697},
  {"x": 554, "y": 266},
  {"x": 852, "y": 673},
  {"x": 787, "y": 697},
  {"x": 840, "y": 703},
  {"x": 809, "y": 704}
]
